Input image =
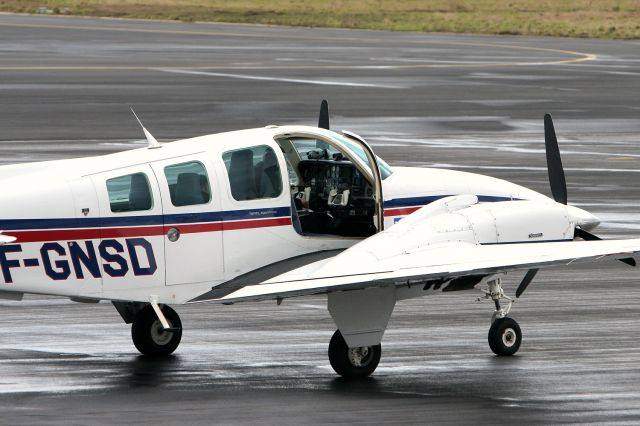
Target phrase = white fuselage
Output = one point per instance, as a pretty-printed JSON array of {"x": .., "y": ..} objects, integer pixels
[{"x": 71, "y": 242}]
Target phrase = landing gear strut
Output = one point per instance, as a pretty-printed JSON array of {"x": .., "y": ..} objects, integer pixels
[
  {"x": 505, "y": 335},
  {"x": 353, "y": 362},
  {"x": 150, "y": 337}
]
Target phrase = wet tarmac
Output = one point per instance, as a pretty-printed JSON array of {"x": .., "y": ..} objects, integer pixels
[{"x": 472, "y": 103}]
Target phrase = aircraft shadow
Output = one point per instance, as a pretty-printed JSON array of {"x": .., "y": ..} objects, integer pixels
[{"x": 143, "y": 371}]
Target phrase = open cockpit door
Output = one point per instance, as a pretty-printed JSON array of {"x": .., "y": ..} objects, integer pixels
[{"x": 376, "y": 176}]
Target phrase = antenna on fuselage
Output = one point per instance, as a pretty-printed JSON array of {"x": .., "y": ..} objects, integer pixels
[{"x": 153, "y": 143}]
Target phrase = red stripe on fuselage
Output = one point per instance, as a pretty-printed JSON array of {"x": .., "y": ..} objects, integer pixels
[
  {"x": 260, "y": 223},
  {"x": 85, "y": 234},
  {"x": 136, "y": 231},
  {"x": 141, "y": 231},
  {"x": 56, "y": 235},
  {"x": 401, "y": 211}
]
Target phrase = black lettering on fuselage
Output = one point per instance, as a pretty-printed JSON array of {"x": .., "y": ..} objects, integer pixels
[
  {"x": 132, "y": 243},
  {"x": 62, "y": 270},
  {"x": 7, "y": 264},
  {"x": 87, "y": 258},
  {"x": 112, "y": 258}
]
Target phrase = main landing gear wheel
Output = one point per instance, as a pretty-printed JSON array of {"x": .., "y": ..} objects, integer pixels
[
  {"x": 352, "y": 362},
  {"x": 505, "y": 336},
  {"x": 148, "y": 335}
]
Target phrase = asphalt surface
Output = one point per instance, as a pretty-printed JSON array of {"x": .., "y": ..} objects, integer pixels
[{"x": 471, "y": 103}]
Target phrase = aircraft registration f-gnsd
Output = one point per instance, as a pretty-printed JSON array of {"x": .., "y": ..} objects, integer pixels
[{"x": 279, "y": 212}]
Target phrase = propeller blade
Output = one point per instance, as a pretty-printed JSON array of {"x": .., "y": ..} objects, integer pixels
[
  {"x": 629, "y": 261},
  {"x": 554, "y": 162},
  {"x": 526, "y": 281},
  {"x": 588, "y": 236},
  {"x": 323, "y": 119}
]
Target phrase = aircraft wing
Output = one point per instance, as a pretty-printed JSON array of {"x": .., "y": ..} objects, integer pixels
[
  {"x": 440, "y": 262},
  {"x": 408, "y": 254}
]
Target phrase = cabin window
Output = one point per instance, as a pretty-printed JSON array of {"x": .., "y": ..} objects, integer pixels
[
  {"x": 129, "y": 193},
  {"x": 254, "y": 173},
  {"x": 188, "y": 184}
]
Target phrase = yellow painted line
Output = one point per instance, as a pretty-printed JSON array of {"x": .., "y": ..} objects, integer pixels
[{"x": 576, "y": 56}]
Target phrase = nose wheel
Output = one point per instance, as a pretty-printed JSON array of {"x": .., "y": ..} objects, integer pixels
[
  {"x": 352, "y": 362},
  {"x": 505, "y": 336}
]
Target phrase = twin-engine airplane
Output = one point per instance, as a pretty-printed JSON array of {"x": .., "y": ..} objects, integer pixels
[{"x": 279, "y": 212}]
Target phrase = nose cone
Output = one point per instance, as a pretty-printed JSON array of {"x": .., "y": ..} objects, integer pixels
[{"x": 583, "y": 218}]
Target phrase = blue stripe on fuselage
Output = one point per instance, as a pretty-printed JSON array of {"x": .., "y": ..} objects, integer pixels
[
  {"x": 143, "y": 220},
  {"x": 422, "y": 201}
]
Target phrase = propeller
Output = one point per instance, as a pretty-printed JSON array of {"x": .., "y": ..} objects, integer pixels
[
  {"x": 554, "y": 162},
  {"x": 323, "y": 119},
  {"x": 558, "y": 185},
  {"x": 558, "y": 182},
  {"x": 526, "y": 281}
]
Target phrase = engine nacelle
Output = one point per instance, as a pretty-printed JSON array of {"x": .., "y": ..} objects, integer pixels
[
  {"x": 463, "y": 219},
  {"x": 519, "y": 221}
]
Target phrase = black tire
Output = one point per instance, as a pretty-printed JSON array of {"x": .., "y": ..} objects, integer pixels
[
  {"x": 149, "y": 336},
  {"x": 505, "y": 337},
  {"x": 341, "y": 358}
]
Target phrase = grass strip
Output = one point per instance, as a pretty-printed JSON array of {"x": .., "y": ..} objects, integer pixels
[{"x": 610, "y": 19}]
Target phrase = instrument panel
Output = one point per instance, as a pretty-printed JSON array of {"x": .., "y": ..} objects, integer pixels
[{"x": 337, "y": 198}]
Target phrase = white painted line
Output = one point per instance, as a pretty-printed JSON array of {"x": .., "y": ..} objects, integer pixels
[
  {"x": 481, "y": 60},
  {"x": 622, "y": 73},
  {"x": 282, "y": 79},
  {"x": 477, "y": 143},
  {"x": 530, "y": 168}
]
